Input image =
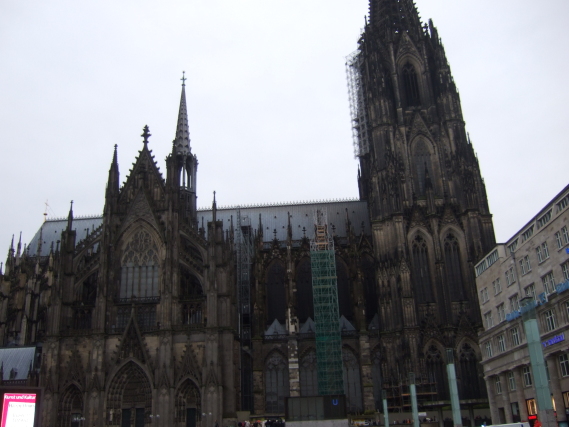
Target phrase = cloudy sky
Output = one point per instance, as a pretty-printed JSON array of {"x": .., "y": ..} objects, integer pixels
[{"x": 267, "y": 98}]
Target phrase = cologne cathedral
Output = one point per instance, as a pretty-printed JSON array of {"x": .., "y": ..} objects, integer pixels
[{"x": 159, "y": 313}]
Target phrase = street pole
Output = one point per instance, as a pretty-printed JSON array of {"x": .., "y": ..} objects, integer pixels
[
  {"x": 542, "y": 392},
  {"x": 413, "y": 391},
  {"x": 454, "y": 401},
  {"x": 385, "y": 413}
]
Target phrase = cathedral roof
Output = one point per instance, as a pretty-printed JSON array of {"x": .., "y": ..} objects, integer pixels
[
  {"x": 20, "y": 359},
  {"x": 275, "y": 218},
  {"x": 52, "y": 229}
]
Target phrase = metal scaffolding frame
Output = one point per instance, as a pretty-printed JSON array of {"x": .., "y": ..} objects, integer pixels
[
  {"x": 358, "y": 112},
  {"x": 326, "y": 312},
  {"x": 244, "y": 252}
]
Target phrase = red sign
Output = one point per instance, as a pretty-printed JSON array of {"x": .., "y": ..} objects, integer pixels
[{"x": 18, "y": 410}]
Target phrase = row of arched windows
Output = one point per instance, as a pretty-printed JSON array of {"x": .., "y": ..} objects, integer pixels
[
  {"x": 422, "y": 274},
  {"x": 434, "y": 380},
  {"x": 276, "y": 289}
]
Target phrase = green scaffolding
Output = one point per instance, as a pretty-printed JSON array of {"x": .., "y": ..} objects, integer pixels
[{"x": 326, "y": 313}]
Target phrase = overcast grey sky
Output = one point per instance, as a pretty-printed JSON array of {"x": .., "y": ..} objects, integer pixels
[{"x": 267, "y": 98}]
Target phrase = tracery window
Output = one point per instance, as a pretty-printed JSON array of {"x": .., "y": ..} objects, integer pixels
[
  {"x": 370, "y": 288},
  {"x": 140, "y": 270},
  {"x": 85, "y": 298},
  {"x": 309, "y": 374},
  {"x": 352, "y": 381},
  {"x": 452, "y": 267},
  {"x": 421, "y": 270},
  {"x": 304, "y": 290},
  {"x": 469, "y": 378},
  {"x": 276, "y": 383},
  {"x": 411, "y": 85},
  {"x": 276, "y": 295},
  {"x": 423, "y": 165},
  {"x": 435, "y": 372},
  {"x": 376, "y": 378},
  {"x": 344, "y": 294}
]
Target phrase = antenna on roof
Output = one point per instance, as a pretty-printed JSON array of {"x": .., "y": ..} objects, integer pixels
[{"x": 45, "y": 212}]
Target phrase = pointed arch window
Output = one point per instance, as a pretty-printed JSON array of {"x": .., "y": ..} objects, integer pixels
[
  {"x": 421, "y": 270},
  {"x": 469, "y": 376},
  {"x": 352, "y": 381},
  {"x": 276, "y": 295},
  {"x": 376, "y": 378},
  {"x": 411, "y": 85},
  {"x": 452, "y": 267},
  {"x": 370, "y": 288},
  {"x": 344, "y": 293},
  {"x": 309, "y": 374},
  {"x": 140, "y": 268},
  {"x": 423, "y": 166},
  {"x": 85, "y": 298},
  {"x": 304, "y": 290},
  {"x": 276, "y": 383},
  {"x": 435, "y": 372}
]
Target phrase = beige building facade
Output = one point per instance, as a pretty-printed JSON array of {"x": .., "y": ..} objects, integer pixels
[{"x": 533, "y": 263}]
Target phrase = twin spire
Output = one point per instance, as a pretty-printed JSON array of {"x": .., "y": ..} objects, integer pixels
[{"x": 182, "y": 140}]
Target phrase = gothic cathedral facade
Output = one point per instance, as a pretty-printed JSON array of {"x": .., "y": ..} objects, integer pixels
[{"x": 159, "y": 312}]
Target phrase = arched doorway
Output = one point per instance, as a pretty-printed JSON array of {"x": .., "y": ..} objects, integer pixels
[
  {"x": 70, "y": 407},
  {"x": 129, "y": 401},
  {"x": 188, "y": 405}
]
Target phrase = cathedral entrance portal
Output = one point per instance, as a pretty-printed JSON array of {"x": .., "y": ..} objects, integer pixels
[
  {"x": 129, "y": 402},
  {"x": 188, "y": 405}
]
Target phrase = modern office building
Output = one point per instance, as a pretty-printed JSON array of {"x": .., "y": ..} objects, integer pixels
[{"x": 533, "y": 263}]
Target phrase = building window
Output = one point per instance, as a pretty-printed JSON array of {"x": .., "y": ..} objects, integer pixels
[
  {"x": 563, "y": 203},
  {"x": 542, "y": 252},
  {"x": 558, "y": 240},
  {"x": 510, "y": 277},
  {"x": 308, "y": 375},
  {"x": 276, "y": 293},
  {"x": 497, "y": 286},
  {"x": 411, "y": 85},
  {"x": 498, "y": 384},
  {"x": 489, "y": 351},
  {"x": 352, "y": 381},
  {"x": 527, "y": 376},
  {"x": 514, "y": 303},
  {"x": 501, "y": 313},
  {"x": 544, "y": 219},
  {"x": 564, "y": 364},
  {"x": 513, "y": 246},
  {"x": 525, "y": 265},
  {"x": 565, "y": 269},
  {"x": 565, "y": 234},
  {"x": 140, "y": 268},
  {"x": 452, "y": 266},
  {"x": 527, "y": 234},
  {"x": 515, "y": 336},
  {"x": 530, "y": 291},
  {"x": 277, "y": 383},
  {"x": 511, "y": 381},
  {"x": 489, "y": 320},
  {"x": 484, "y": 295},
  {"x": 501, "y": 343},
  {"x": 549, "y": 316},
  {"x": 548, "y": 283},
  {"x": 532, "y": 406}
]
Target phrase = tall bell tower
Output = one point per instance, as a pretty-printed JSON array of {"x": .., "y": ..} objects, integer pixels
[{"x": 426, "y": 197}]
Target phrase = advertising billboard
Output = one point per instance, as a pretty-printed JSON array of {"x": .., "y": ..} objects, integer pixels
[{"x": 18, "y": 410}]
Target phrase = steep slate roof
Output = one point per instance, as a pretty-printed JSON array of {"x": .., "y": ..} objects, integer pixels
[
  {"x": 273, "y": 218},
  {"x": 52, "y": 229},
  {"x": 302, "y": 215},
  {"x": 19, "y": 359}
]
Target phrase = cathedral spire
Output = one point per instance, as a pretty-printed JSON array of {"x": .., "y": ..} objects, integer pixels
[
  {"x": 395, "y": 16},
  {"x": 70, "y": 217},
  {"x": 182, "y": 140}
]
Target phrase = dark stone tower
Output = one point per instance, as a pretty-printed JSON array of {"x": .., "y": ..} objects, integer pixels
[{"x": 427, "y": 201}]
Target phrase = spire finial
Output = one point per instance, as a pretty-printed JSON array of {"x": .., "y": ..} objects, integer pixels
[
  {"x": 145, "y": 134},
  {"x": 70, "y": 217},
  {"x": 181, "y": 143}
]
